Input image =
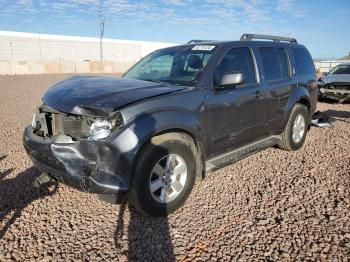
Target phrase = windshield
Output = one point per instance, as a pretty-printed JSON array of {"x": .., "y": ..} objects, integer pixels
[
  {"x": 340, "y": 70},
  {"x": 176, "y": 65}
]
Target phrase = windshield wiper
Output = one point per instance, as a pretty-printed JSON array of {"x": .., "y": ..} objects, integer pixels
[
  {"x": 172, "y": 81},
  {"x": 181, "y": 82},
  {"x": 154, "y": 81}
]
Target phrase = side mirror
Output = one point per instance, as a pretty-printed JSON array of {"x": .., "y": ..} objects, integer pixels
[{"x": 231, "y": 79}]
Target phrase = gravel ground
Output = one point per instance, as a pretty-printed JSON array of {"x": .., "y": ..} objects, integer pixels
[{"x": 274, "y": 205}]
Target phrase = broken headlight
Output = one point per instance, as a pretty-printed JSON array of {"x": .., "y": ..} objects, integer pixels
[
  {"x": 100, "y": 129},
  {"x": 47, "y": 123}
]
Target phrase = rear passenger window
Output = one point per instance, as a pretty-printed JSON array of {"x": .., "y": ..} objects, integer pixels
[
  {"x": 303, "y": 61},
  {"x": 275, "y": 63},
  {"x": 283, "y": 62},
  {"x": 237, "y": 60}
]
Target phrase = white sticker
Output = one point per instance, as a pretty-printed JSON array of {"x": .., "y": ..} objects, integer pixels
[{"x": 203, "y": 47}]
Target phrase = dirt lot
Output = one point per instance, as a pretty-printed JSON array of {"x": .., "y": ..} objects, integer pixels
[{"x": 275, "y": 205}]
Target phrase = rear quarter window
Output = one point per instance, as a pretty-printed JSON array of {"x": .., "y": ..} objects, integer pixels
[{"x": 303, "y": 61}]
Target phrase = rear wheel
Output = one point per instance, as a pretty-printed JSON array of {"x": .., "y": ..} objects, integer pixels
[
  {"x": 294, "y": 134},
  {"x": 164, "y": 174}
]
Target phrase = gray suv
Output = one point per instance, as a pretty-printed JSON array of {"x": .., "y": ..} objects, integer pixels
[{"x": 177, "y": 114}]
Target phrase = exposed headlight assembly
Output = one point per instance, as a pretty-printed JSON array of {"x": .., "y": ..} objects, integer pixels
[
  {"x": 78, "y": 127},
  {"x": 100, "y": 129}
]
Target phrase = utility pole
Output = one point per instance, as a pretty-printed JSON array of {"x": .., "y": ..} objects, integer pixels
[{"x": 102, "y": 30}]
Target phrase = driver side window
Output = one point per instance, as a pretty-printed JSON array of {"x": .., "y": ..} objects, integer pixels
[{"x": 236, "y": 60}]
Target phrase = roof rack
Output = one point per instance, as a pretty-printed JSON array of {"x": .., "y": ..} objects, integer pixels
[
  {"x": 198, "y": 41},
  {"x": 248, "y": 37}
]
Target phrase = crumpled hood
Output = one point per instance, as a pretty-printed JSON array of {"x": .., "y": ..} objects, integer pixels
[
  {"x": 96, "y": 95},
  {"x": 341, "y": 78}
]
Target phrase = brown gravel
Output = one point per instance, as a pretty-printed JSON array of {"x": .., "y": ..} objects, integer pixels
[{"x": 275, "y": 205}]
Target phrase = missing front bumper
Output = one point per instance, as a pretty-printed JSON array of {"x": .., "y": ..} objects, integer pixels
[
  {"x": 341, "y": 95},
  {"x": 89, "y": 166}
]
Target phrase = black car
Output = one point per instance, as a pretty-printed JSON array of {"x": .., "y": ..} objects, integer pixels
[{"x": 178, "y": 113}]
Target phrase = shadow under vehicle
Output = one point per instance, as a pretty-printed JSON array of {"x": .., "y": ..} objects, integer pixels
[{"x": 18, "y": 192}]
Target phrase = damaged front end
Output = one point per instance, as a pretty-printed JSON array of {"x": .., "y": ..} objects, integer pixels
[
  {"x": 85, "y": 152},
  {"x": 335, "y": 90}
]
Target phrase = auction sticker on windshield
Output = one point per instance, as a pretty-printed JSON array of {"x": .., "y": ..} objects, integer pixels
[{"x": 203, "y": 47}]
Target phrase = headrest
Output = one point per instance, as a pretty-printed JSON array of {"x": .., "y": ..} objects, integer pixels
[{"x": 195, "y": 62}]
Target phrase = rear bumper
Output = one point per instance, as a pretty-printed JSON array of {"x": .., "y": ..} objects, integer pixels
[{"x": 91, "y": 166}]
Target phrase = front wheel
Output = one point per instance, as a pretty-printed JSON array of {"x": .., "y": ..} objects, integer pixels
[
  {"x": 164, "y": 174},
  {"x": 294, "y": 134}
]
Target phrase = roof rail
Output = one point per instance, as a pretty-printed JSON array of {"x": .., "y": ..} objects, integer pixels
[
  {"x": 248, "y": 37},
  {"x": 198, "y": 41}
]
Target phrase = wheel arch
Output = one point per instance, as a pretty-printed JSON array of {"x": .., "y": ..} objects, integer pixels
[
  {"x": 150, "y": 125},
  {"x": 304, "y": 101},
  {"x": 300, "y": 95},
  {"x": 200, "y": 162}
]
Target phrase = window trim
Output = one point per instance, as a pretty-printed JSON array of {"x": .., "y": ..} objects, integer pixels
[
  {"x": 257, "y": 76},
  {"x": 289, "y": 63}
]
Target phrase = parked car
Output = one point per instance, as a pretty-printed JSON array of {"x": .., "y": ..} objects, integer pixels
[
  {"x": 336, "y": 84},
  {"x": 177, "y": 114}
]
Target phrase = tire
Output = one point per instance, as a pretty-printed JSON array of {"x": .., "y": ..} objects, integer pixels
[
  {"x": 176, "y": 148},
  {"x": 288, "y": 141}
]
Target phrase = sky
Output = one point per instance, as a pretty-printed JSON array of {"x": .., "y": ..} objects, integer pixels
[{"x": 322, "y": 26}]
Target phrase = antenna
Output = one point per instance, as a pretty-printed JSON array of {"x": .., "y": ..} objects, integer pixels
[{"x": 102, "y": 31}]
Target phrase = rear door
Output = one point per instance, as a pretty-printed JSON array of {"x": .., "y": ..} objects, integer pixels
[
  {"x": 278, "y": 84},
  {"x": 236, "y": 113}
]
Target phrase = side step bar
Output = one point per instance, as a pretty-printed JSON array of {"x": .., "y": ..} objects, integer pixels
[{"x": 240, "y": 153}]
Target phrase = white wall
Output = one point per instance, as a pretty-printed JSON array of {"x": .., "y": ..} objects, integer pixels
[
  {"x": 28, "y": 53},
  {"x": 327, "y": 65}
]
